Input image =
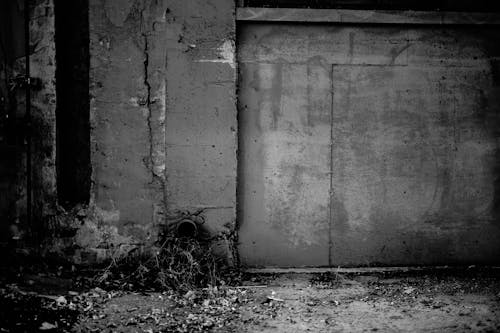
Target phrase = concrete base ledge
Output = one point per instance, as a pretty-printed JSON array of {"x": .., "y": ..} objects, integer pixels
[{"x": 400, "y": 269}]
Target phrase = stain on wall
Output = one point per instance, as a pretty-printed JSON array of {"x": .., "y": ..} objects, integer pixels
[{"x": 284, "y": 163}]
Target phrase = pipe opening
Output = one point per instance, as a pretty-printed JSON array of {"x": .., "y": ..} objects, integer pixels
[{"x": 187, "y": 229}]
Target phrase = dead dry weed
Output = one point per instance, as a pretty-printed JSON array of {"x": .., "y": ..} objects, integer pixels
[{"x": 180, "y": 264}]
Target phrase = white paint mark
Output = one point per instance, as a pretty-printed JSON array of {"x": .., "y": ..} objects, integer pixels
[
  {"x": 160, "y": 98},
  {"x": 159, "y": 155},
  {"x": 226, "y": 54},
  {"x": 134, "y": 101}
]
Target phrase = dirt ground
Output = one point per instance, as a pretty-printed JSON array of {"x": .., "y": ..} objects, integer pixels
[
  {"x": 404, "y": 303},
  {"x": 425, "y": 301}
]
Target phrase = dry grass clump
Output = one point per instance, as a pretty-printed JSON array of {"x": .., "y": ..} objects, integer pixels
[{"x": 180, "y": 264}]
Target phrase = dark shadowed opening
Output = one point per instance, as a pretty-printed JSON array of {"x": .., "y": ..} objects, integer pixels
[
  {"x": 72, "y": 112},
  {"x": 187, "y": 228}
]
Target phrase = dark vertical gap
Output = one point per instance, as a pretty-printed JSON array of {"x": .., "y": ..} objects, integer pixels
[
  {"x": 73, "y": 108},
  {"x": 330, "y": 194},
  {"x": 239, "y": 147},
  {"x": 12, "y": 130},
  {"x": 27, "y": 115}
]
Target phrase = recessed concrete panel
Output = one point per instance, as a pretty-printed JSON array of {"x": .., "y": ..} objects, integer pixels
[{"x": 412, "y": 164}]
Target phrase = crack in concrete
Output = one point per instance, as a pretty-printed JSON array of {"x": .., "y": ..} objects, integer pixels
[{"x": 148, "y": 103}]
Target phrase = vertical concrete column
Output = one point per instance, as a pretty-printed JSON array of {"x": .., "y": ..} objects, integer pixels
[{"x": 201, "y": 118}]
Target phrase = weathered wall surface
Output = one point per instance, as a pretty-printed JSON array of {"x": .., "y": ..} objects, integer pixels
[
  {"x": 366, "y": 145},
  {"x": 127, "y": 43},
  {"x": 201, "y": 121},
  {"x": 163, "y": 116}
]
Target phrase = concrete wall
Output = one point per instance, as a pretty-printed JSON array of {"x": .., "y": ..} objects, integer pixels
[
  {"x": 163, "y": 117},
  {"x": 127, "y": 90},
  {"x": 164, "y": 129},
  {"x": 201, "y": 113},
  {"x": 368, "y": 145}
]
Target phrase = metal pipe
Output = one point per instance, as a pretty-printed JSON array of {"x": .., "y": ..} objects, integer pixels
[
  {"x": 187, "y": 228},
  {"x": 28, "y": 114}
]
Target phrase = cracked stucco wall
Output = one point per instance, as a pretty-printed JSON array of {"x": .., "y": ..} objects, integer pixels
[
  {"x": 163, "y": 116},
  {"x": 127, "y": 115}
]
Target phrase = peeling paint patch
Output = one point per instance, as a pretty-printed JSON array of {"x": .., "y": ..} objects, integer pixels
[{"x": 226, "y": 54}]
